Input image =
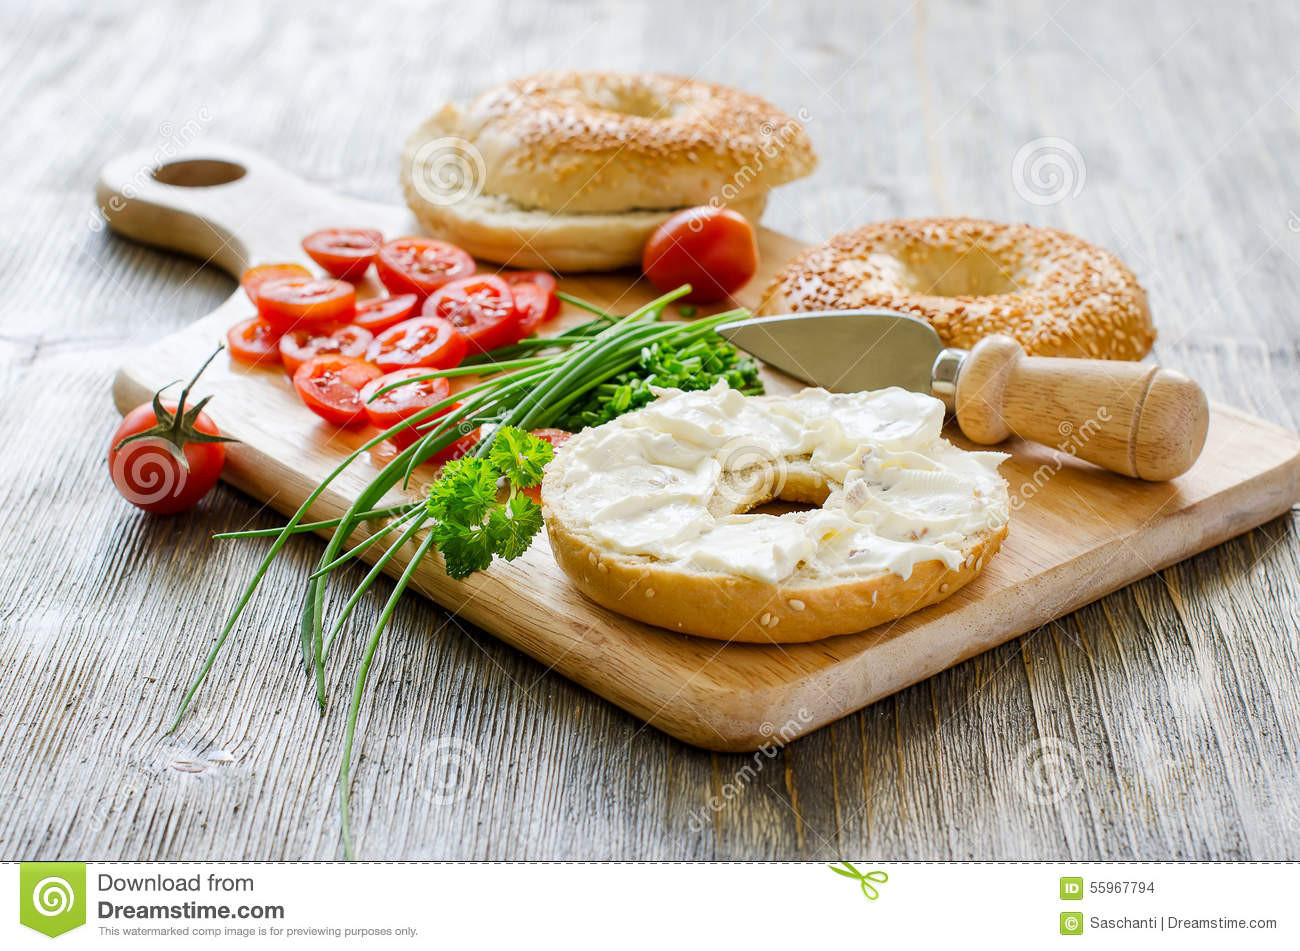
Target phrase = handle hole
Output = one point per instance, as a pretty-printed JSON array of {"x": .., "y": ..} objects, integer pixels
[{"x": 199, "y": 173}]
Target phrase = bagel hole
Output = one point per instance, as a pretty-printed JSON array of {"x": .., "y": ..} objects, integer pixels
[
  {"x": 952, "y": 272},
  {"x": 780, "y": 507},
  {"x": 636, "y": 101},
  {"x": 794, "y": 493}
]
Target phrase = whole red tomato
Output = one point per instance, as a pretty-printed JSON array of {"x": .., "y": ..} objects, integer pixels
[{"x": 711, "y": 249}]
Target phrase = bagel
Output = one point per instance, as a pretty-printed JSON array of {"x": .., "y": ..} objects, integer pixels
[
  {"x": 1055, "y": 293},
  {"x": 650, "y": 515},
  {"x": 573, "y": 170}
]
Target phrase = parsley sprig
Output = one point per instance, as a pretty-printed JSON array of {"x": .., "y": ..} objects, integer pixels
[{"x": 470, "y": 525}]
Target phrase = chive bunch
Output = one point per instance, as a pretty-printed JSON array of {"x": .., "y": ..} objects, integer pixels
[{"x": 589, "y": 374}]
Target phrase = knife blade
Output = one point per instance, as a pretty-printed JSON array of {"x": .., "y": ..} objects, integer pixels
[{"x": 843, "y": 350}]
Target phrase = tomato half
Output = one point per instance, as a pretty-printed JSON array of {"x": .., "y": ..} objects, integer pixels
[
  {"x": 150, "y": 477},
  {"x": 461, "y": 447},
  {"x": 418, "y": 342},
  {"x": 255, "y": 277},
  {"x": 557, "y": 438},
  {"x": 382, "y": 312},
  {"x": 535, "y": 305},
  {"x": 404, "y": 402},
  {"x": 544, "y": 279},
  {"x": 480, "y": 307},
  {"x": 421, "y": 265},
  {"x": 344, "y": 252},
  {"x": 306, "y": 301},
  {"x": 301, "y": 344},
  {"x": 331, "y": 387},
  {"x": 712, "y": 249},
  {"x": 254, "y": 342}
]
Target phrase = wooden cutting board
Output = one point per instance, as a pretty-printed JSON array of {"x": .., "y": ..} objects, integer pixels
[{"x": 1077, "y": 532}]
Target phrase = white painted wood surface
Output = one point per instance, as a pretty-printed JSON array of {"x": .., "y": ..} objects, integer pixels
[{"x": 1166, "y": 717}]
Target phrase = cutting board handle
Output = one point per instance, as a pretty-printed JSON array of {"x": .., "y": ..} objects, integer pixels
[
  {"x": 1136, "y": 419},
  {"x": 224, "y": 204}
]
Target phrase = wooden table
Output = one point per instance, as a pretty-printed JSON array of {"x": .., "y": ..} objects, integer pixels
[{"x": 1162, "y": 722}]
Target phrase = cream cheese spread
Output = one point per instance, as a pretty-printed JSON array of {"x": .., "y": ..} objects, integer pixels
[{"x": 898, "y": 493}]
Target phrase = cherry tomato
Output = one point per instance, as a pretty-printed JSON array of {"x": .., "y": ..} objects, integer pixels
[
  {"x": 382, "y": 312},
  {"x": 556, "y": 437},
  {"x": 421, "y": 265},
  {"x": 544, "y": 279},
  {"x": 404, "y": 402},
  {"x": 480, "y": 307},
  {"x": 712, "y": 249},
  {"x": 163, "y": 461},
  {"x": 455, "y": 450},
  {"x": 344, "y": 252},
  {"x": 255, "y": 277},
  {"x": 331, "y": 387},
  {"x": 254, "y": 342},
  {"x": 418, "y": 342},
  {"x": 306, "y": 301},
  {"x": 300, "y": 345},
  {"x": 535, "y": 305}
]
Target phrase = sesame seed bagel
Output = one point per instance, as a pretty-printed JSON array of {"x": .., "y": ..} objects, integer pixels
[
  {"x": 573, "y": 170},
  {"x": 495, "y": 228},
  {"x": 650, "y": 515},
  {"x": 613, "y": 142},
  {"x": 1055, "y": 293}
]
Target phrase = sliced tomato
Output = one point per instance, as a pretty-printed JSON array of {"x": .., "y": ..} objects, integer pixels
[
  {"x": 383, "y": 312},
  {"x": 418, "y": 342},
  {"x": 421, "y": 265},
  {"x": 331, "y": 387},
  {"x": 544, "y": 279},
  {"x": 535, "y": 305},
  {"x": 461, "y": 447},
  {"x": 306, "y": 301},
  {"x": 480, "y": 307},
  {"x": 255, "y": 277},
  {"x": 254, "y": 342},
  {"x": 556, "y": 437},
  {"x": 400, "y": 404},
  {"x": 301, "y": 344},
  {"x": 344, "y": 252}
]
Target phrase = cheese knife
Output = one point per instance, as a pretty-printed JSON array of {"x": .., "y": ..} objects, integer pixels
[{"x": 1137, "y": 419}]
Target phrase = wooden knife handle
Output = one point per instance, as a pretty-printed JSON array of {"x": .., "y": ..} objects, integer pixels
[{"x": 1133, "y": 418}]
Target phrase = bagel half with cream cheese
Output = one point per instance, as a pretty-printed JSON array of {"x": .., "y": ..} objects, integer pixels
[
  {"x": 650, "y": 515},
  {"x": 574, "y": 170}
]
